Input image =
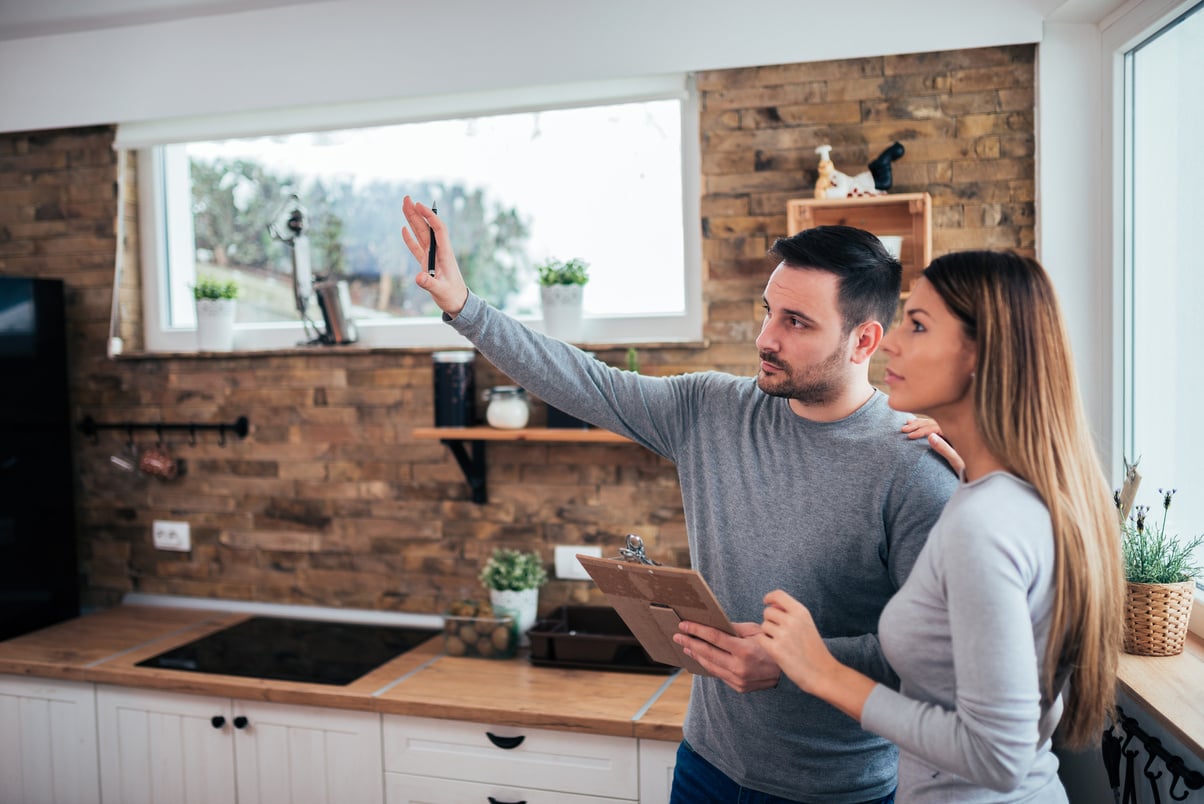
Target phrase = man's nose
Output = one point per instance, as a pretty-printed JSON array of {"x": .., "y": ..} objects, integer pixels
[{"x": 766, "y": 341}]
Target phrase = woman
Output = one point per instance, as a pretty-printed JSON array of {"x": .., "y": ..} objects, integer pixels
[{"x": 1011, "y": 620}]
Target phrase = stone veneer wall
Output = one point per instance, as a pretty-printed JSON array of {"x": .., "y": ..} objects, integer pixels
[{"x": 330, "y": 501}]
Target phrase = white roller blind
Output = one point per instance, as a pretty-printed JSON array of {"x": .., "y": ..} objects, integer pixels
[{"x": 430, "y": 107}]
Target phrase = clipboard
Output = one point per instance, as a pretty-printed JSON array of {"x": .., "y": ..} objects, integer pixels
[{"x": 653, "y": 599}]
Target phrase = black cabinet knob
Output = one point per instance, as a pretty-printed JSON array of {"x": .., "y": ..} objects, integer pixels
[
  {"x": 505, "y": 742},
  {"x": 493, "y": 800},
  {"x": 240, "y": 722},
  {"x": 218, "y": 721}
]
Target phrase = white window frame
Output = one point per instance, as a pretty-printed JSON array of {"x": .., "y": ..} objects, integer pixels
[
  {"x": 162, "y": 167},
  {"x": 1122, "y": 31}
]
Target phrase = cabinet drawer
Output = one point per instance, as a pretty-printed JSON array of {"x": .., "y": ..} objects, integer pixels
[
  {"x": 402, "y": 788},
  {"x": 539, "y": 759}
]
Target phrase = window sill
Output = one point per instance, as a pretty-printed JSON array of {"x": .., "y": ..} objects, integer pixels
[
  {"x": 349, "y": 349},
  {"x": 1171, "y": 690}
]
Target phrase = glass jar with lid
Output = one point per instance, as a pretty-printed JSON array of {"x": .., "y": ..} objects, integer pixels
[{"x": 508, "y": 408}]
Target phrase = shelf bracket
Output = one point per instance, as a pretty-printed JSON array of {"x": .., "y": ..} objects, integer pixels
[{"x": 473, "y": 467}]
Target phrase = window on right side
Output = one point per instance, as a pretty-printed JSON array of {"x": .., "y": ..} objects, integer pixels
[{"x": 1164, "y": 270}]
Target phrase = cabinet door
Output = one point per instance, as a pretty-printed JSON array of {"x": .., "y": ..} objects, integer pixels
[
  {"x": 47, "y": 742},
  {"x": 658, "y": 758},
  {"x": 307, "y": 755},
  {"x": 158, "y": 747},
  {"x": 523, "y": 758}
]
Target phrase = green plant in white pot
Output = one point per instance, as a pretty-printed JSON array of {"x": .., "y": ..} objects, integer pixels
[
  {"x": 216, "y": 304},
  {"x": 513, "y": 578},
  {"x": 561, "y": 287}
]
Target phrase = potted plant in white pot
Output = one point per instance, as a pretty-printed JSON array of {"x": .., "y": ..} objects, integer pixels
[
  {"x": 216, "y": 303},
  {"x": 561, "y": 287},
  {"x": 1160, "y": 577},
  {"x": 513, "y": 578}
]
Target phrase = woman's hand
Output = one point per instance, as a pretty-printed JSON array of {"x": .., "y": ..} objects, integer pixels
[
  {"x": 924, "y": 427},
  {"x": 946, "y": 451},
  {"x": 447, "y": 286},
  {"x": 920, "y": 427},
  {"x": 790, "y": 637}
]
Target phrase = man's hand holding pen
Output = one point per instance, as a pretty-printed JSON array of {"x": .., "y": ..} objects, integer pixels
[{"x": 423, "y": 230}]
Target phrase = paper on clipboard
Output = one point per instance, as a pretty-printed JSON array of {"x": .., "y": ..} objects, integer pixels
[{"x": 652, "y": 600}]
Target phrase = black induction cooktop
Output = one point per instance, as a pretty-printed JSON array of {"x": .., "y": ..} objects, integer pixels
[{"x": 285, "y": 649}]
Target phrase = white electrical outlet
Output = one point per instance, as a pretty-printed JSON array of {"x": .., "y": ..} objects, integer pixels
[
  {"x": 567, "y": 565},
  {"x": 171, "y": 535}
]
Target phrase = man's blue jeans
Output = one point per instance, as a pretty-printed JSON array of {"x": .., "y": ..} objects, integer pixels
[{"x": 696, "y": 781}]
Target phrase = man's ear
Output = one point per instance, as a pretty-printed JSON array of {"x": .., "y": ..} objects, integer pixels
[{"x": 865, "y": 340}]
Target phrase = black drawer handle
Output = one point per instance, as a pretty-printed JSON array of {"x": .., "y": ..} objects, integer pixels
[
  {"x": 240, "y": 722},
  {"x": 505, "y": 742},
  {"x": 493, "y": 800},
  {"x": 218, "y": 721}
]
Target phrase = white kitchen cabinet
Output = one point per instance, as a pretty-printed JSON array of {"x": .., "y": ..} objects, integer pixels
[
  {"x": 47, "y": 742},
  {"x": 188, "y": 749},
  {"x": 446, "y": 761},
  {"x": 658, "y": 758}
]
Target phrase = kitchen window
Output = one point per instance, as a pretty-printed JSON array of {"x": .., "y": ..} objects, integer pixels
[
  {"x": 1163, "y": 273},
  {"x": 603, "y": 172}
]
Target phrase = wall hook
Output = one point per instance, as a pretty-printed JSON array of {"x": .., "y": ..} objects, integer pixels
[{"x": 1192, "y": 780}]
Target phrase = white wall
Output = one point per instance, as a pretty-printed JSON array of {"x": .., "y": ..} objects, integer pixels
[{"x": 1071, "y": 209}]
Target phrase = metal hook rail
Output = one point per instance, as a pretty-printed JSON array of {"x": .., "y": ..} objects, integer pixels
[
  {"x": 240, "y": 427},
  {"x": 1192, "y": 779}
]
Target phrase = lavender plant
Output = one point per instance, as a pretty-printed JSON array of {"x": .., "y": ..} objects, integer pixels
[{"x": 1152, "y": 555}]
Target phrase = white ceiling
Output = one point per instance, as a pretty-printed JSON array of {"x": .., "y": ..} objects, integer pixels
[{"x": 20, "y": 19}]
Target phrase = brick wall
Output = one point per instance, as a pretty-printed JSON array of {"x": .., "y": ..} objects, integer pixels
[{"x": 330, "y": 501}]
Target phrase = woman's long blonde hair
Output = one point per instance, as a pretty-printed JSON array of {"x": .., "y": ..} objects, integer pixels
[{"x": 1028, "y": 410}]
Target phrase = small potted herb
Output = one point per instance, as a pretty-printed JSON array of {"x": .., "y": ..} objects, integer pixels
[
  {"x": 1160, "y": 572},
  {"x": 561, "y": 288},
  {"x": 216, "y": 304},
  {"x": 513, "y": 578}
]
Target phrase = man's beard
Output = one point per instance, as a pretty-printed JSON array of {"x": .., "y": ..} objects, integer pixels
[{"x": 816, "y": 385}]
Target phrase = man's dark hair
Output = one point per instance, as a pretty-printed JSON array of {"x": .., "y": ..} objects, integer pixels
[{"x": 870, "y": 279}]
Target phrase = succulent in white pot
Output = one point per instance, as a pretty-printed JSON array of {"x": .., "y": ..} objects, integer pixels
[
  {"x": 513, "y": 578},
  {"x": 216, "y": 305},
  {"x": 561, "y": 289}
]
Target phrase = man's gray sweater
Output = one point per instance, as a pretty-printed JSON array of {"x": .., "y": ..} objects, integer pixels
[{"x": 834, "y": 513}]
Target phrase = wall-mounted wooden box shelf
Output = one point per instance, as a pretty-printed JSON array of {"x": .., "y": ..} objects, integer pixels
[
  {"x": 473, "y": 466},
  {"x": 908, "y": 215}
]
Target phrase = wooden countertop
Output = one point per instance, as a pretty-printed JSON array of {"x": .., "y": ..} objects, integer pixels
[{"x": 106, "y": 647}]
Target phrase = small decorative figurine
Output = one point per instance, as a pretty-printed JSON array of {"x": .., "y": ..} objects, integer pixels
[{"x": 874, "y": 181}]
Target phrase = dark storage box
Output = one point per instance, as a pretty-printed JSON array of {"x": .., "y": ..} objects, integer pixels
[
  {"x": 558, "y": 419},
  {"x": 590, "y": 637}
]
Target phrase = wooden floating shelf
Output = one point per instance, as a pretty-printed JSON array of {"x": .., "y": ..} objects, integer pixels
[
  {"x": 590, "y": 435},
  {"x": 473, "y": 466}
]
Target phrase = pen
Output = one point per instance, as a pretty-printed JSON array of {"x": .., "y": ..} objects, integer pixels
[{"x": 430, "y": 254}]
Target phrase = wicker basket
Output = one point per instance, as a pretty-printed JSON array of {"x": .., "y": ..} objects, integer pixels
[{"x": 1156, "y": 616}]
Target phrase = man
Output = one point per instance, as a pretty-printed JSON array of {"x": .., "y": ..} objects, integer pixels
[{"x": 796, "y": 479}]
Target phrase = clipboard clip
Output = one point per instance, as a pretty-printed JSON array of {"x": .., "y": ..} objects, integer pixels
[{"x": 634, "y": 551}]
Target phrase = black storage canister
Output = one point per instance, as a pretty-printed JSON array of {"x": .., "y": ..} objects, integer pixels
[{"x": 455, "y": 389}]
